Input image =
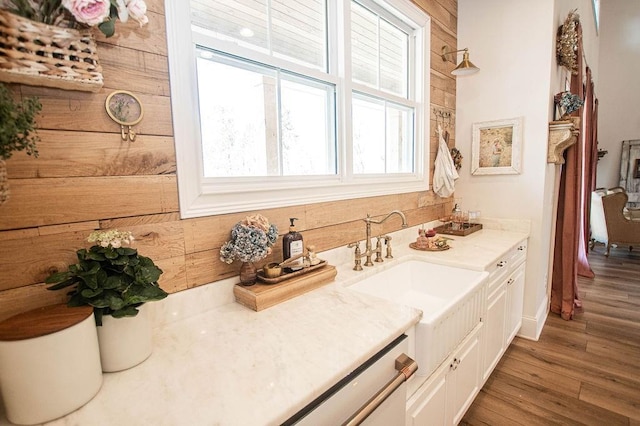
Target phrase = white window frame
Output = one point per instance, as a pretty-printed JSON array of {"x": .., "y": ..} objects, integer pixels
[{"x": 201, "y": 196}]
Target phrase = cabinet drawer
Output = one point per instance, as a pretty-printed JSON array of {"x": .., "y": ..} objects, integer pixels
[
  {"x": 497, "y": 274},
  {"x": 505, "y": 265},
  {"x": 517, "y": 255}
]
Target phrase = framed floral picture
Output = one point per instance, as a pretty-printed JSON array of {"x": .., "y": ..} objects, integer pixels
[{"x": 496, "y": 147}]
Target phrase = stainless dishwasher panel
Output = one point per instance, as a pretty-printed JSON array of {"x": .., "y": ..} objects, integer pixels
[{"x": 342, "y": 401}]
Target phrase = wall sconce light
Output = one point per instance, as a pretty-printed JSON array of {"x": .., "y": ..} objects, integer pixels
[{"x": 465, "y": 67}]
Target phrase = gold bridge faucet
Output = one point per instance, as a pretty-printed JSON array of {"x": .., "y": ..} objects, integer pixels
[{"x": 369, "y": 250}]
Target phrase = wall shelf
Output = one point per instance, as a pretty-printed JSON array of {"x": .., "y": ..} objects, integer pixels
[{"x": 562, "y": 134}]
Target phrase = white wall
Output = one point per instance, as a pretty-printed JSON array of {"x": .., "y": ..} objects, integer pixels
[
  {"x": 513, "y": 43},
  {"x": 619, "y": 88}
]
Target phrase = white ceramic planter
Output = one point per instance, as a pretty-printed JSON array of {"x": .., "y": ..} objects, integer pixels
[
  {"x": 46, "y": 374},
  {"x": 124, "y": 342}
]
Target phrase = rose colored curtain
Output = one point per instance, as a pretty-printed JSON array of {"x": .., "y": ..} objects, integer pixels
[
  {"x": 564, "y": 284},
  {"x": 590, "y": 159}
]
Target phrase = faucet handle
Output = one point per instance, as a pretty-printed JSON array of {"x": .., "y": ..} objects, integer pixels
[
  {"x": 358, "y": 255},
  {"x": 379, "y": 249},
  {"x": 387, "y": 240}
]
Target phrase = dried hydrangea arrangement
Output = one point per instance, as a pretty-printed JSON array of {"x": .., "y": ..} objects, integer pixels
[
  {"x": 567, "y": 102},
  {"x": 251, "y": 240},
  {"x": 567, "y": 42}
]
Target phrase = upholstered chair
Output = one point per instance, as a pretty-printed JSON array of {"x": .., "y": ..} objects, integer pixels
[{"x": 621, "y": 230}]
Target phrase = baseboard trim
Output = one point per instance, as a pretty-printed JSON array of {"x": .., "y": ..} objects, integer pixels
[{"x": 532, "y": 326}]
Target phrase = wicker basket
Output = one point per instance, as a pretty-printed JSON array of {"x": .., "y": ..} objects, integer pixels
[
  {"x": 43, "y": 55},
  {"x": 4, "y": 182}
]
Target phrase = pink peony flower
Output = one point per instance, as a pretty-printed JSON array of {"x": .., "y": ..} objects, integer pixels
[
  {"x": 90, "y": 12},
  {"x": 137, "y": 10}
]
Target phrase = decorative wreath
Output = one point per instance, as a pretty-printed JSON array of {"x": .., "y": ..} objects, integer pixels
[{"x": 567, "y": 42}]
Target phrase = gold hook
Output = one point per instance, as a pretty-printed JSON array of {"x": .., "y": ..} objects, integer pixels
[{"x": 132, "y": 134}]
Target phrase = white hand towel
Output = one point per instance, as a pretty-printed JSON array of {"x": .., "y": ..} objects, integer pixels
[{"x": 445, "y": 172}]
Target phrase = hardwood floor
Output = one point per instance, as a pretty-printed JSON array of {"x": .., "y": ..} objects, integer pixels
[{"x": 581, "y": 372}]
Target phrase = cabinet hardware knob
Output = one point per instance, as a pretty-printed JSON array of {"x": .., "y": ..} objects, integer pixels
[
  {"x": 502, "y": 264},
  {"x": 521, "y": 248}
]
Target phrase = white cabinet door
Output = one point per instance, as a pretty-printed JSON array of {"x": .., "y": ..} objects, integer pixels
[
  {"x": 515, "y": 303},
  {"x": 447, "y": 394},
  {"x": 463, "y": 381},
  {"x": 494, "y": 331},
  {"x": 429, "y": 407}
]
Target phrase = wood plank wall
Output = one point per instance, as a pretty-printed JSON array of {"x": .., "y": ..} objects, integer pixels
[{"x": 87, "y": 179}]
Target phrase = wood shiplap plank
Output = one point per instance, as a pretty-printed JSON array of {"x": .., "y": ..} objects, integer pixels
[
  {"x": 150, "y": 38},
  {"x": 47, "y": 254},
  {"x": 134, "y": 70},
  {"x": 72, "y": 110},
  {"x": 55, "y": 248},
  {"x": 18, "y": 233},
  {"x": 210, "y": 232},
  {"x": 76, "y": 154},
  {"x": 38, "y": 202},
  {"x": 174, "y": 277},
  {"x": 200, "y": 268},
  {"x": 24, "y": 299},
  {"x": 440, "y": 13}
]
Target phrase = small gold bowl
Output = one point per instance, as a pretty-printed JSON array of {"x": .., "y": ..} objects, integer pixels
[{"x": 272, "y": 270}]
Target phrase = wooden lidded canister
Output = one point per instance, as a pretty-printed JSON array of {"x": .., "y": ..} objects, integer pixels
[{"x": 49, "y": 363}]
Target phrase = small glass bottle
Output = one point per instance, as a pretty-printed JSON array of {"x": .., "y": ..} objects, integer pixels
[{"x": 456, "y": 218}]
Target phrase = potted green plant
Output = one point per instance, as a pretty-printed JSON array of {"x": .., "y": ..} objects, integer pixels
[
  {"x": 116, "y": 281},
  {"x": 17, "y": 132}
]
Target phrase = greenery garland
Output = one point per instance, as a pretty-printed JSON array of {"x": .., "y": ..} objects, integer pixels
[{"x": 17, "y": 124}]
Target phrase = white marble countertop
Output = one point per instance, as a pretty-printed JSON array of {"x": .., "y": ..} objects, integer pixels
[{"x": 219, "y": 363}]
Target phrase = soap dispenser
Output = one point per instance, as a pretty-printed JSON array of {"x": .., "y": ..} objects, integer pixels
[{"x": 292, "y": 245}]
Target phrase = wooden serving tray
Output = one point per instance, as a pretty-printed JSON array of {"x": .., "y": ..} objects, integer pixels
[
  {"x": 288, "y": 275},
  {"x": 415, "y": 247},
  {"x": 467, "y": 228},
  {"x": 261, "y": 296}
]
